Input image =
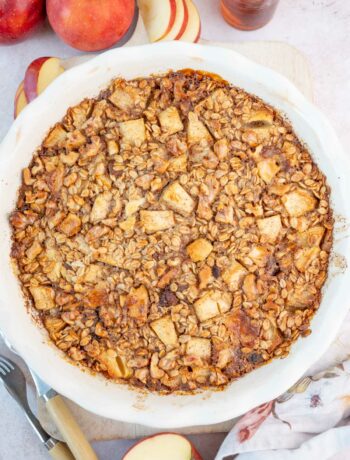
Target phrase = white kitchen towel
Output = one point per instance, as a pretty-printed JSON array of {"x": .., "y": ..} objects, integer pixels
[{"x": 311, "y": 421}]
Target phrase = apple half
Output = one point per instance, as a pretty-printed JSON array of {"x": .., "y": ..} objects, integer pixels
[
  {"x": 163, "y": 446},
  {"x": 20, "y": 100},
  {"x": 158, "y": 17},
  {"x": 192, "y": 31},
  {"x": 180, "y": 21},
  {"x": 39, "y": 74}
]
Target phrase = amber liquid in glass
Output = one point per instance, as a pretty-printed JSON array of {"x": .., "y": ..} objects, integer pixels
[{"x": 248, "y": 14}]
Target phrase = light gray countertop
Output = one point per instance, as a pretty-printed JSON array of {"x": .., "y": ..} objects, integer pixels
[{"x": 318, "y": 28}]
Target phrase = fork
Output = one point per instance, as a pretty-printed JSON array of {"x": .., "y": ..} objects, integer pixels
[{"x": 15, "y": 383}]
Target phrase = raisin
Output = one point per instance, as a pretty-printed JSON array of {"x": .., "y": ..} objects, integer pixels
[
  {"x": 255, "y": 358},
  {"x": 112, "y": 171},
  {"x": 272, "y": 266},
  {"x": 216, "y": 271},
  {"x": 182, "y": 287},
  {"x": 284, "y": 164},
  {"x": 167, "y": 298},
  {"x": 269, "y": 151}
]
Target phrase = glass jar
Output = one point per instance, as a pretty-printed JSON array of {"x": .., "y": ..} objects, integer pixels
[{"x": 248, "y": 14}]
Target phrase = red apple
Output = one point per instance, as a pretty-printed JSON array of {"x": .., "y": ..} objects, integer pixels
[
  {"x": 193, "y": 28},
  {"x": 158, "y": 17},
  {"x": 39, "y": 74},
  {"x": 20, "y": 100},
  {"x": 180, "y": 22},
  {"x": 163, "y": 446},
  {"x": 90, "y": 25},
  {"x": 18, "y": 18}
]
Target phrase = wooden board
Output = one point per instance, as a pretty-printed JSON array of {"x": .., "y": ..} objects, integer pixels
[
  {"x": 280, "y": 57},
  {"x": 286, "y": 60}
]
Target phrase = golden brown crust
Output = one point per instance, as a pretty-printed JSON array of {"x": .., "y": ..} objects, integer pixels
[{"x": 173, "y": 233}]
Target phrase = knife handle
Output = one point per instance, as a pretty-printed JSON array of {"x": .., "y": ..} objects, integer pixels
[
  {"x": 60, "y": 451},
  {"x": 69, "y": 429}
]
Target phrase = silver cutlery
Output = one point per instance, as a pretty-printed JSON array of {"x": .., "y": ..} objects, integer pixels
[
  {"x": 64, "y": 420},
  {"x": 62, "y": 416},
  {"x": 15, "y": 383}
]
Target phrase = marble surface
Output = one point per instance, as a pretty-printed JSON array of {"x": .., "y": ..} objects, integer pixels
[{"x": 318, "y": 28}]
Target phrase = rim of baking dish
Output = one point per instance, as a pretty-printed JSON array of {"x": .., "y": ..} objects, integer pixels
[{"x": 121, "y": 402}]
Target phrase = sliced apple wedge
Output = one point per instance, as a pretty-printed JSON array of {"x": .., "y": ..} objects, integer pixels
[
  {"x": 158, "y": 17},
  {"x": 180, "y": 22},
  {"x": 39, "y": 74},
  {"x": 163, "y": 446},
  {"x": 192, "y": 31},
  {"x": 20, "y": 100}
]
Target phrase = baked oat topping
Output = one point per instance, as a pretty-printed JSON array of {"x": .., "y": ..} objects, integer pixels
[{"x": 173, "y": 233}]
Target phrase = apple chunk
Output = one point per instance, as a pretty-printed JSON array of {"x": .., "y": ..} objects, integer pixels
[
  {"x": 199, "y": 249},
  {"x": 212, "y": 303},
  {"x": 155, "y": 221},
  {"x": 39, "y": 74},
  {"x": 193, "y": 28},
  {"x": 176, "y": 198},
  {"x": 298, "y": 202},
  {"x": 169, "y": 446},
  {"x": 20, "y": 100},
  {"x": 158, "y": 17},
  {"x": 165, "y": 330}
]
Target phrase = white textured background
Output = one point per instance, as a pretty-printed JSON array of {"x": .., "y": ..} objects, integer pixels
[{"x": 318, "y": 28}]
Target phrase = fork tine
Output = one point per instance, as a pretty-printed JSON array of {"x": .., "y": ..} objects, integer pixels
[
  {"x": 3, "y": 371},
  {"x": 7, "y": 362},
  {"x": 4, "y": 367}
]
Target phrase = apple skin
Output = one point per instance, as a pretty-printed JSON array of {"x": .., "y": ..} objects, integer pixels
[
  {"x": 171, "y": 20},
  {"x": 20, "y": 100},
  {"x": 192, "y": 31},
  {"x": 158, "y": 17},
  {"x": 184, "y": 24},
  {"x": 18, "y": 18},
  {"x": 90, "y": 25},
  {"x": 199, "y": 34},
  {"x": 31, "y": 78},
  {"x": 179, "y": 21},
  {"x": 194, "y": 454},
  {"x": 34, "y": 81}
]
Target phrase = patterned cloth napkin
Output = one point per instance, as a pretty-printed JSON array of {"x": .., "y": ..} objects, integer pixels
[{"x": 311, "y": 421}]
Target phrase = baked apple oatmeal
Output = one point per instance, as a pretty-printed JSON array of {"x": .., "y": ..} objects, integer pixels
[{"x": 173, "y": 233}]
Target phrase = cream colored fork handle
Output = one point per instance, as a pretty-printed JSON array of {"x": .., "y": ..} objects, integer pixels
[
  {"x": 60, "y": 451},
  {"x": 69, "y": 429}
]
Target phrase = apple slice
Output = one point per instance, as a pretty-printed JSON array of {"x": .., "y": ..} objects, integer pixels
[
  {"x": 20, "y": 100},
  {"x": 192, "y": 31},
  {"x": 163, "y": 446},
  {"x": 158, "y": 17},
  {"x": 39, "y": 74},
  {"x": 180, "y": 22}
]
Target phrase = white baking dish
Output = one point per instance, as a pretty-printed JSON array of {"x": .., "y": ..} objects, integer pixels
[{"x": 118, "y": 401}]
